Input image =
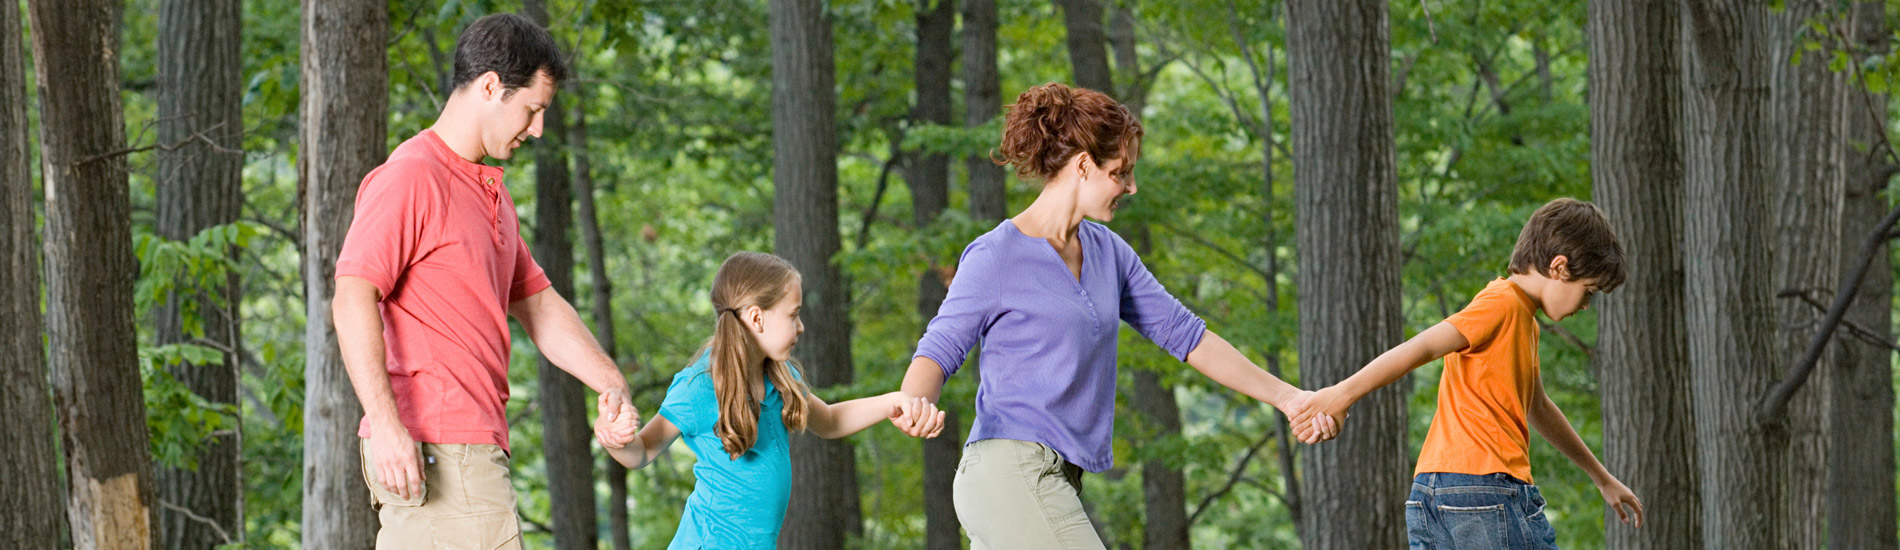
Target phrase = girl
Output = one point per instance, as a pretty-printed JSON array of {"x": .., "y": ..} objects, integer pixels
[
  {"x": 1045, "y": 293},
  {"x": 736, "y": 403}
]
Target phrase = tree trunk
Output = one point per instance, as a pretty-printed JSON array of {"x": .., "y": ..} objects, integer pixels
[
  {"x": 344, "y": 123},
  {"x": 1807, "y": 202},
  {"x": 982, "y": 102},
  {"x": 1088, "y": 44},
  {"x": 1642, "y": 360},
  {"x": 1728, "y": 278},
  {"x": 28, "y": 482},
  {"x": 564, "y": 429},
  {"x": 1860, "y": 470},
  {"x": 824, "y": 509},
  {"x": 602, "y": 296},
  {"x": 929, "y": 181},
  {"x": 1346, "y": 199},
  {"x": 200, "y": 95},
  {"x": 96, "y": 384}
]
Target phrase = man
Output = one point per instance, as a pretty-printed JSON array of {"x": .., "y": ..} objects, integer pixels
[{"x": 433, "y": 265}]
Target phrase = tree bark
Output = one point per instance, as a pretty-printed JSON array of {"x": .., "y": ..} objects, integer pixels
[
  {"x": 96, "y": 385},
  {"x": 1807, "y": 202},
  {"x": 200, "y": 105},
  {"x": 824, "y": 509},
  {"x": 1346, "y": 199},
  {"x": 601, "y": 303},
  {"x": 28, "y": 482},
  {"x": 1860, "y": 470},
  {"x": 1088, "y": 44},
  {"x": 982, "y": 102},
  {"x": 344, "y": 120},
  {"x": 564, "y": 429},
  {"x": 929, "y": 181},
  {"x": 1642, "y": 359},
  {"x": 1728, "y": 278}
]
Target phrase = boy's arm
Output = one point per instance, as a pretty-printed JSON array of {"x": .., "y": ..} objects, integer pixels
[
  {"x": 1435, "y": 342},
  {"x": 647, "y": 445},
  {"x": 831, "y": 421},
  {"x": 1551, "y": 423}
]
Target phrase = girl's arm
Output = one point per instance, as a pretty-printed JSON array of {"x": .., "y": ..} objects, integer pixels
[
  {"x": 1551, "y": 423},
  {"x": 1435, "y": 342},
  {"x": 831, "y": 421},
  {"x": 647, "y": 445}
]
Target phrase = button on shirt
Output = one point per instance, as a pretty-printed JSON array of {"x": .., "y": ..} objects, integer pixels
[
  {"x": 1049, "y": 339},
  {"x": 438, "y": 236}
]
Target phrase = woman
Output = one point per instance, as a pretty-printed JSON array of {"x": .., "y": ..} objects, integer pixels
[{"x": 1042, "y": 292}]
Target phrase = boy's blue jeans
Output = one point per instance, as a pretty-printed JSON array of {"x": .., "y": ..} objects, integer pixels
[{"x": 1467, "y": 512}]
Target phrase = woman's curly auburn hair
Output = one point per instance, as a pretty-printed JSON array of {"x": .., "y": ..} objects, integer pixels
[{"x": 1051, "y": 123}]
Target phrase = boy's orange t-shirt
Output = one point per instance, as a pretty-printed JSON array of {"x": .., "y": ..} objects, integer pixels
[{"x": 1486, "y": 388}]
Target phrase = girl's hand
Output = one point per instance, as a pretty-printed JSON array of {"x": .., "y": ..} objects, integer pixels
[
  {"x": 917, "y": 417},
  {"x": 616, "y": 427}
]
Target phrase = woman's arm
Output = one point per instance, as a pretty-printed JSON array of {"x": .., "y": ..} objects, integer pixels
[
  {"x": 652, "y": 440},
  {"x": 832, "y": 421}
]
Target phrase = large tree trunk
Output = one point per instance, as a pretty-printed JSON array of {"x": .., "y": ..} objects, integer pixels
[
  {"x": 345, "y": 112},
  {"x": 96, "y": 384},
  {"x": 824, "y": 509},
  {"x": 601, "y": 303},
  {"x": 1807, "y": 207},
  {"x": 1860, "y": 470},
  {"x": 1088, "y": 44},
  {"x": 929, "y": 181},
  {"x": 200, "y": 93},
  {"x": 1346, "y": 226},
  {"x": 1728, "y": 278},
  {"x": 28, "y": 482},
  {"x": 982, "y": 102},
  {"x": 564, "y": 429},
  {"x": 1642, "y": 360}
]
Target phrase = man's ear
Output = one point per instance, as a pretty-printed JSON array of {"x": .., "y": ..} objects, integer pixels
[{"x": 490, "y": 85}]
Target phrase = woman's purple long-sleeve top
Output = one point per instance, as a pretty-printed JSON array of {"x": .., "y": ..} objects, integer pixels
[{"x": 1048, "y": 339}]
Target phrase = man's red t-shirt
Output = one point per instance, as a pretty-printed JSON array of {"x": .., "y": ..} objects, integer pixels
[{"x": 438, "y": 236}]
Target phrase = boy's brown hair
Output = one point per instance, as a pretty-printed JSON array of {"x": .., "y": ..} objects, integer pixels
[{"x": 1576, "y": 230}]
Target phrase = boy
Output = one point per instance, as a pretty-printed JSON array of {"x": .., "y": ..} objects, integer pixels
[{"x": 1473, "y": 486}]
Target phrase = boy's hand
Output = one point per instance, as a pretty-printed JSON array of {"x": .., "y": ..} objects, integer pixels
[
  {"x": 1321, "y": 414},
  {"x": 1620, "y": 498},
  {"x": 618, "y": 422},
  {"x": 917, "y": 417}
]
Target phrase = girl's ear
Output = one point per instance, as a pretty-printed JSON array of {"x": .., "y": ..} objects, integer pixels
[{"x": 755, "y": 317}]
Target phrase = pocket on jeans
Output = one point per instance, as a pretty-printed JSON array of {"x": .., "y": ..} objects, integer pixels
[
  {"x": 1477, "y": 526},
  {"x": 1417, "y": 532},
  {"x": 479, "y": 531}
]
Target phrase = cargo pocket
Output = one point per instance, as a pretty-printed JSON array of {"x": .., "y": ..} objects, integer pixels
[{"x": 479, "y": 531}]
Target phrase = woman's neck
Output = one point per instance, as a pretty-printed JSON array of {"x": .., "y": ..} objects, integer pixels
[{"x": 1054, "y": 215}]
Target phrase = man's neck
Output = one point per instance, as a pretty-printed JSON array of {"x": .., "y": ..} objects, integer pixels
[{"x": 457, "y": 128}]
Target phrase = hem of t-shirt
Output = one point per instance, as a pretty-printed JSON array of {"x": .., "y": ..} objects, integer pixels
[
  {"x": 532, "y": 287},
  {"x": 352, "y": 268},
  {"x": 1437, "y": 468},
  {"x": 1093, "y": 465},
  {"x": 448, "y": 437},
  {"x": 941, "y": 364},
  {"x": 1199, "y": 328}
]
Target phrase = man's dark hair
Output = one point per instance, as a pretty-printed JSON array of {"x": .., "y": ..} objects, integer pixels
[{"x": 512, "y": 46}]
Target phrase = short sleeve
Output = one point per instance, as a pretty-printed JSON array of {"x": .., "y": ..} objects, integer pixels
[
  {"x": 1150, "y": 309},
  {"x": 396, "y": 207},
  {"x": 685, "y": 397},
  {"x": 968, "y": 308},
  {"x": 528, "y": 277},
  {"x": 1481, "y": 321}
]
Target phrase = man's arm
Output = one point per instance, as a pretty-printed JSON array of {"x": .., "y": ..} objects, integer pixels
[
  {"x": 557, "y": 330},
  {"x": 359, "y": 335}
]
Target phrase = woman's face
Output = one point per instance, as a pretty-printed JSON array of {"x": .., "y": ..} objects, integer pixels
[{"x": 1101, "y": 187}]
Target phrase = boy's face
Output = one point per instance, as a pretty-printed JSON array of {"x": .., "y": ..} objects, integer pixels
[{"x": 1564, "y": 296}]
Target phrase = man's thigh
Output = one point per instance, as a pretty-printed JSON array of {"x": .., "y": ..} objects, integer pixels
[{"x": 467, "y": 502}]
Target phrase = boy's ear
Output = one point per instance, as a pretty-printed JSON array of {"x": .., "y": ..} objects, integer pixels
[{"x": 1560, "y": 267}]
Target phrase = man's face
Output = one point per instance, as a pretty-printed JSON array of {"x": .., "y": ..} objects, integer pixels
[{"x": 511, "y": 118}]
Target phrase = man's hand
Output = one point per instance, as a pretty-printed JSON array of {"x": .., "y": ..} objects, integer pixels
[
  {"x": 618, "y": 421},
  {"x": 1317, "y": 416},
  {"x": 397, "y": 463},
  {"x": 917, "y": 417}
]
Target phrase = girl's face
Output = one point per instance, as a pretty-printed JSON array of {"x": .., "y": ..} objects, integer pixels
[
  {"x": 777, "y": 329},
  {"x": 1101, "y": 187}
]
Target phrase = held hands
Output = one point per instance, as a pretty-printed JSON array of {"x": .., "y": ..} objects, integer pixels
[
  {"x": 618, "y": 420},
  {"x": 1620, "y": 498},
  {"x": 917, "y": 417},
  {"x": 1318, "y": 416}
]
